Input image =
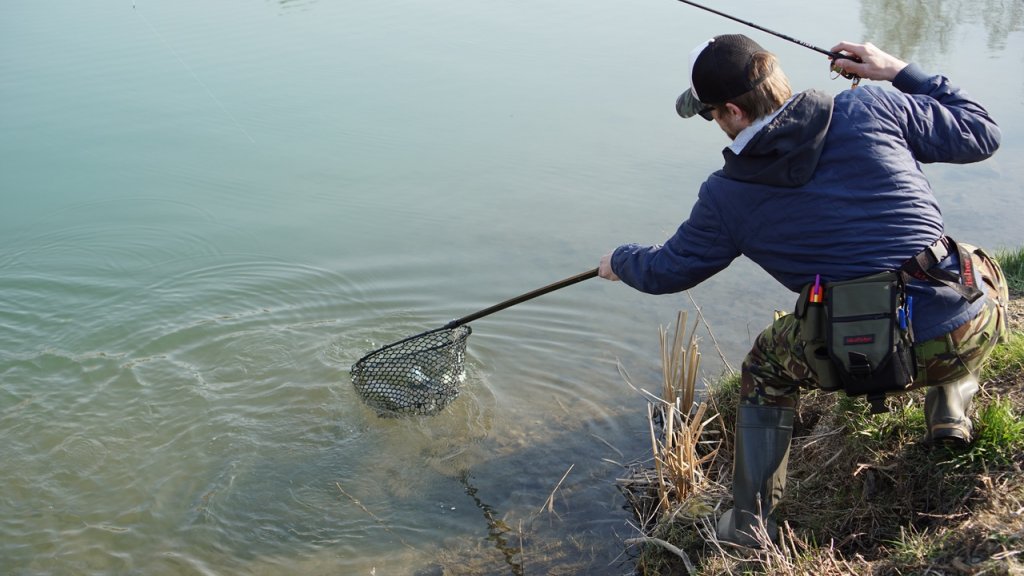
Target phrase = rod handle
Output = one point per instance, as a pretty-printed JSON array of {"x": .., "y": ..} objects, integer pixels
[{"x": 524, "y": 297}]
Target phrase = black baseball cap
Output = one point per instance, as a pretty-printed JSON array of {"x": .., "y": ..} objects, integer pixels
[{"x": 719, "y": 72}]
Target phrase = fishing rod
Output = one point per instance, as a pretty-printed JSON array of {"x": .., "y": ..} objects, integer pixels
[{"x": 833, "y": 55}]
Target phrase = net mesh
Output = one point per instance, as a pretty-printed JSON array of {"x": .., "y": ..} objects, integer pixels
[{"x": 420, "y": 375}]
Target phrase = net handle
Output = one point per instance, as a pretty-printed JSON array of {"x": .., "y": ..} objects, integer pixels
[
  {"x": 476, "y": 315},
  {"x": 523, "y": 298}
]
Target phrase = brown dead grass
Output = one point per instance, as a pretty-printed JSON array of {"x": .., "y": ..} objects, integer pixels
[{"x": 865, "y": 496}]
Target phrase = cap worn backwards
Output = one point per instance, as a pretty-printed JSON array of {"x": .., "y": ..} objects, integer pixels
[{"x": 719, "y": 72}]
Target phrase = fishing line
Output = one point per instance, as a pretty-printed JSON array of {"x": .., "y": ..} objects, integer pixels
[
  {"x": 193, "y": 73},
  {"x": 833, "y": 55},
  {"x": 772, "y": 32}
]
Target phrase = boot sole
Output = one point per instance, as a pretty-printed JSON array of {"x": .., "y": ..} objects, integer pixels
[{"x": 952, "y": 435}]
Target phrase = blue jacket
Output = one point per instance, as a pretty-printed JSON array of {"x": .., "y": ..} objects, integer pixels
[{"x": 830, "y": 186}]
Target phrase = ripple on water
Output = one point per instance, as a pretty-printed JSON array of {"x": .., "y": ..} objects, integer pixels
[
  {"x": 213, "y": 399},
  {"x": 83, "y": 455},
  {"x": 126, "y": 234}
]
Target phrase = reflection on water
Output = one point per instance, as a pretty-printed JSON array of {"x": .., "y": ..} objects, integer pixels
[
  {"x": 927, "y": 29},
  {"x": 289, "y": 5}
]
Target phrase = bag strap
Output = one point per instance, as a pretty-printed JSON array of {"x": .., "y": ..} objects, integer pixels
[{"x": 924, "y": 267}]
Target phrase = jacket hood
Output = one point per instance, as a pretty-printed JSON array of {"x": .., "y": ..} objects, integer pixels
[{"x": 785, "y": 152}]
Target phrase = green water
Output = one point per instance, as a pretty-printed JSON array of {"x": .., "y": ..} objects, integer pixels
[{"x": 211, "y": 210}]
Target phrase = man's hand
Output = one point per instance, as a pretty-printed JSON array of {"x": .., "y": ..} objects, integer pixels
[
  {"x": 874, "y": 65},
  {"x": 604, "y": 270}
]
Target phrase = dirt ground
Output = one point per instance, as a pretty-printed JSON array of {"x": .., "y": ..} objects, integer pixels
[{"x": 1015, "y": 312}]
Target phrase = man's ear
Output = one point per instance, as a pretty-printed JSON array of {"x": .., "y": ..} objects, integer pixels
[{"x": 735, "y": 111}]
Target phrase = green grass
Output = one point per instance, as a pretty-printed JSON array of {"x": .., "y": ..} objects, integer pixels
[
  {"x": 914, "y": 547},
  {"x": 999, "y": 437},
  {"x": 1012, "y": 262},
  {"x": 1006, "y": 358},
  {"x": 901, "y": 423}
]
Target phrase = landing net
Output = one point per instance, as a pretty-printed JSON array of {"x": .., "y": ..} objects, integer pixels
[{"x": 420, "y": 375}]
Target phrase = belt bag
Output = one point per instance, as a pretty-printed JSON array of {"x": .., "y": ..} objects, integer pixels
[
  {"x": 813, "y": 335},
  {"x": 869, "y": 336}
]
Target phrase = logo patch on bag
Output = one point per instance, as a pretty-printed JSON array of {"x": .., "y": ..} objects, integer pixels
[
  {"x": 861, "y": 339},
  {"x": 968, "y": 272}
]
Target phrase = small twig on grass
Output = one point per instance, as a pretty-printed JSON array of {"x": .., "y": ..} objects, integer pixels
[
  {"x": 1005, "y": 554},
  {"x": 659, "y": 542},
  {"x": 812, "y": 440},
  {"x": 823, "y": 466}
]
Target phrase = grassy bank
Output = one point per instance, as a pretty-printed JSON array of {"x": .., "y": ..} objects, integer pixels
[{"x": 864, "y": 494}]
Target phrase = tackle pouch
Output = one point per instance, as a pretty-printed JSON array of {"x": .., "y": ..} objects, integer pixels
[
  {"x": 813, "y": 337},
  {"x": 870, "y": 338}
]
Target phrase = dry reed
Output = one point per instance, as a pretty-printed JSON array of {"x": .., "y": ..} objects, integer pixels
[
  {"x": 676, "y": 423},
  {"x": 678, "y": 454}
]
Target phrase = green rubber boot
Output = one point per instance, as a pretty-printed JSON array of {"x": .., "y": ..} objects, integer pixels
[
  {"x": 763, "y": 434},
  {"x": 945, "y": 412}
]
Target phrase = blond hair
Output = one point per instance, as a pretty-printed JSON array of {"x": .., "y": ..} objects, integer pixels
[{"x": 770, "y": 94}]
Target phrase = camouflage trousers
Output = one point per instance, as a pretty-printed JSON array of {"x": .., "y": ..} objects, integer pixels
[{"x": 776, "y": 368}]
